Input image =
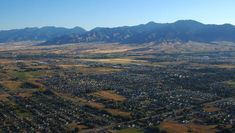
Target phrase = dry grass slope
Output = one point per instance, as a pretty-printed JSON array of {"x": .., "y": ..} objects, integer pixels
[
  {"x": 173, "y": 127},
  {"x": 108, "y": 95}
]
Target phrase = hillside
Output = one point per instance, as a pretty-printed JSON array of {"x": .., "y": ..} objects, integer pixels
[
  {"x": 180, "y": 31},
  {"x": 37, "y": 34}
]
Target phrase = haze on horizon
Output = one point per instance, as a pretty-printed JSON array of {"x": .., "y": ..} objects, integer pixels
[{"x": 111, "y": 13}]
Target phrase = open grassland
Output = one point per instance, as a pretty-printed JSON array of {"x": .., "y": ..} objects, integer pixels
[
  {"x": 90, "y": 70},
  {"x": 116, "y": 61},
  {"x": 11, "y": 85},
  {"x": 78, "y": 100},
  {"x": 210, "y": 108},
  {"x": 130, "y": 130},
  {"x": 66, "y": 66},
  {"x": 104, "y": 49},
  {"x": 173, "y": 127},
  {"x": 98, "y": 70},
  {"x": 26, "y": 93},
  {"x": 3, "y": 96},
  {"x": 78, "y": 126},
  {"x": 190, "y": 47},
  {"x": 117, "y": 112},
  {"x": 227, "y": 66},
  {"x": 26, "y": 75},
  {"x": 108, "y": 95},
  {"x": 29, "y": 48},
  {"x": 7, "y": 61}
]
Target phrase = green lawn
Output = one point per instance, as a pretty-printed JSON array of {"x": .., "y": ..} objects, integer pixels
[{"x": 25, "y": 75}]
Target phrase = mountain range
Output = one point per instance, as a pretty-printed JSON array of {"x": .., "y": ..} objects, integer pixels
[
  {"x": 182, "y": 30},
  {"x": 37, "y": 34}
]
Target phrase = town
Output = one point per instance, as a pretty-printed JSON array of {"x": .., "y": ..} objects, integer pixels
[{"x": 116, "y": 88}]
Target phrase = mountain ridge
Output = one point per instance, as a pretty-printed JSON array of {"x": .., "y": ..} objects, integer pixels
[
  {"x": 34, "y": 33},
  {"x": 181, "y": 30}
]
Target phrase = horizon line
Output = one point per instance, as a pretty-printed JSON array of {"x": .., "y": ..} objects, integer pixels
[{"x": 72, "y": 27}]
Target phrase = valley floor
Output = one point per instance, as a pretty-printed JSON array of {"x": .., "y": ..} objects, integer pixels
[{"x": 168, "y": 87}]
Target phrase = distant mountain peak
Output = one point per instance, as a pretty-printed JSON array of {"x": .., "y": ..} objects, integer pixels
[
  {"x": 151, "y": 23},
  {"x": 188, "y": 23}
]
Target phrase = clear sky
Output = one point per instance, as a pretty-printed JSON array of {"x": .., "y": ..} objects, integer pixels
[{"x": 110, "y": 13}]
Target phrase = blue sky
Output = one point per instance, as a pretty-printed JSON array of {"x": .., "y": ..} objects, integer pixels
[{"x": 110, "y": 13}]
